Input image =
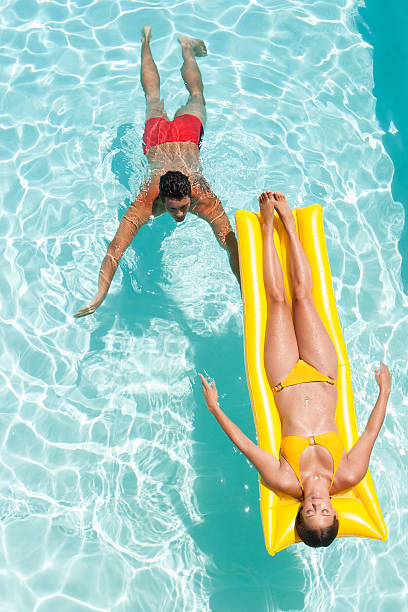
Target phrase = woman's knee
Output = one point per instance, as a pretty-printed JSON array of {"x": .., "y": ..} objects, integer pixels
[
  {"x": 302, "y": 290},
  {"x": 276, "y": 294}
]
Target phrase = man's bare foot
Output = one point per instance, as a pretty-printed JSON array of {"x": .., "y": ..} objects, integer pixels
[
  {"x": 267, "y": 206},
  {"x": 146, "y": 33},
  {"x": 197, "y": 46}
]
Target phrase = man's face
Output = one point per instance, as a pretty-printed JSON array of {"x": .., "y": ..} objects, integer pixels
[{"x": 177, "y": 208}]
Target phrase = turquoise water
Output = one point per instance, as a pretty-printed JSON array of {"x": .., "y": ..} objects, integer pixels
[
  {"x": 384, "y": 25},
  {"x": 118, "y": 491}
]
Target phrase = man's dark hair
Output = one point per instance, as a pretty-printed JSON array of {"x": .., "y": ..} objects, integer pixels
[
  {"x": 174, "y": 185},
  {"x": 316, "y": 537}
]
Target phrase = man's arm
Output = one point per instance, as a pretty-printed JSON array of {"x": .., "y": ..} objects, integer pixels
[
  {"x": 359, "y": 456},
  {"x": 137, "y": 215},
  {"x": 211, "y": 210}
]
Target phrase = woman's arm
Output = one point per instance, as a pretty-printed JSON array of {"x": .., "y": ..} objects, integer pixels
[
  {"x": 268, "y": 466},
  {"x": 359, "y": 456}
]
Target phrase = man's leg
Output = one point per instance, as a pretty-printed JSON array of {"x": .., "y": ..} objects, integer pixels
[
  {"x": 192, "y": 48},
  {"x": 150, "y": 79},
  {"x": 314, "y": 342}
]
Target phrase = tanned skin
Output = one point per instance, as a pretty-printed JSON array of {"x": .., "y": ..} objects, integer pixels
[
  {"x": 308, "y": 408},
  {"x": 174, "y": 156}
]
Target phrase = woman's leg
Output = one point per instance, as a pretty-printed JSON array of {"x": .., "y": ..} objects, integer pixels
[
  {"x": 315, "y": 345},
  {"x": 150, "y": 79},
  {"x": 281, "y": 349},
  {"x": 190, "y": 49}
]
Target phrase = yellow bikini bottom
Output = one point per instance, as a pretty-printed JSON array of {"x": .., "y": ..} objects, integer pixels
[{"x": 303, "y": 373}]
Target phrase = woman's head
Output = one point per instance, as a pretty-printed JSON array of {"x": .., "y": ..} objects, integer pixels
[{"x": 318, "y": 524}]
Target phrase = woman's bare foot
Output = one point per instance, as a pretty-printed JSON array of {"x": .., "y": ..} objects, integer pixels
[
  {"x": 283, "y": 209},
  {"x": 267, "y": 206},
  {"x": 197, "y": 46},
  {"x": 281, "y": 203},
  {"x": 146, "y": 33}
]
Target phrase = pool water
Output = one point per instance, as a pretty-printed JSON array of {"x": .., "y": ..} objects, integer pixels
[
  {"x": 118, "y": 490},
  {"x": 384, "y": 26}
]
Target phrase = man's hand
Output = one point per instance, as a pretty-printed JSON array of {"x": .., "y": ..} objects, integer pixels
[{"x": 87, "y": 310}]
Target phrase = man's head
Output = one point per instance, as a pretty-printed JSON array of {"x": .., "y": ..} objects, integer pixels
[
  {"x": 317, "y": 523},
  {"x": 175, "y": 192}
]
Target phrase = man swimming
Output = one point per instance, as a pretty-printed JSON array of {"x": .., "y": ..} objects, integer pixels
[{"x": 176, "y": 184}]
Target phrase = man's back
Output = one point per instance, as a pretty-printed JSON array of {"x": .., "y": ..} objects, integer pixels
[{"x": 176, "y": 156}]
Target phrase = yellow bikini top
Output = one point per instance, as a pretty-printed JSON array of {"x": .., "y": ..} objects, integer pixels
[
  {"x": 292, "y": 448},
  {"x": 302, "y": 373}
]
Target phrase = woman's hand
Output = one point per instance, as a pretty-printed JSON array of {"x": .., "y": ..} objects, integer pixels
[
  {"x": 210, "y": 393},
  {"x": 383, "y": 378},
  {"x": 87, "y": 310},
  {"x": 359, "y": 455}
]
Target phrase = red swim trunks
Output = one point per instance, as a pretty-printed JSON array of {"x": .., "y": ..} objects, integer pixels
[{"x": 185, "y": 128}]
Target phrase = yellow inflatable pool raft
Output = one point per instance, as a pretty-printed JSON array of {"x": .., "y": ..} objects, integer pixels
[{"x": 358, "y": 509}]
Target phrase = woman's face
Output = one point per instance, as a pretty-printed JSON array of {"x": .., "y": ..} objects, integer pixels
[{"x": 318, "y": 512}]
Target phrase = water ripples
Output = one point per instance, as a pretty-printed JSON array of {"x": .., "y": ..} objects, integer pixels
[{"x": 104, "y": 451}]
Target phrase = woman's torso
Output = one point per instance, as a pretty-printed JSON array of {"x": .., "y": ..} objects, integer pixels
[{"x": 307, "y": 409}]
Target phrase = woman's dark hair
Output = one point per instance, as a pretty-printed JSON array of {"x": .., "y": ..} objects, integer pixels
[
  {"x": 174, "y": 185},
  {"x": 316, "y": 537}
]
